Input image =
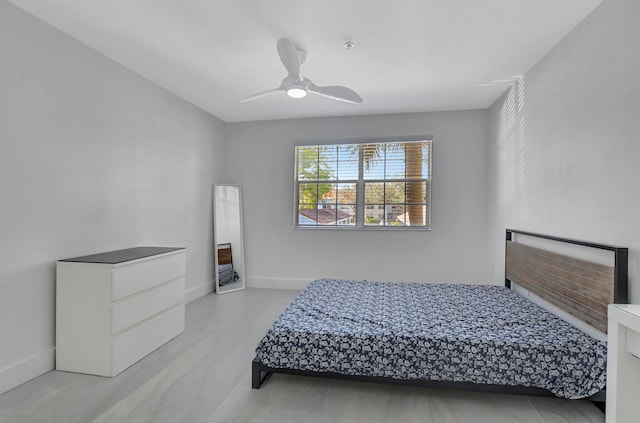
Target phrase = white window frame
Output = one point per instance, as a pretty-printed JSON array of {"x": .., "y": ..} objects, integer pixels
[{"x": 360, "y": 188}]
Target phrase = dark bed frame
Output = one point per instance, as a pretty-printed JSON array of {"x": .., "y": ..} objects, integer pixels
[{"x": 579, "y": 287}]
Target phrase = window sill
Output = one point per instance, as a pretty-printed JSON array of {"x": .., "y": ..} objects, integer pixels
[{"x": 363, "y": 228}]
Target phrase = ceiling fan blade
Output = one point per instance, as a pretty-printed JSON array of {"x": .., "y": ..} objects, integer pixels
[
  {"x": 289, "y": 57},
  {"x": 335, "y": 92},
  {"x": 261, "y": 94}
]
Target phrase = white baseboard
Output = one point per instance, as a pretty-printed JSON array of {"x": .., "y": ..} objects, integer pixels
[
  {"x": 268, "y": 283},
  {"x": 198, "y": 291},
  {"x": 24, "y": 370},
  {"x": 277, "y": 283}
]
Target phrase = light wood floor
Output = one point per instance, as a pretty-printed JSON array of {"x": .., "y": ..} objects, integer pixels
[{"x": 204, "y": 376}]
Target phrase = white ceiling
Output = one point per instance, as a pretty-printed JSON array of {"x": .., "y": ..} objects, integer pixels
[{"x": 409, "y": 55}]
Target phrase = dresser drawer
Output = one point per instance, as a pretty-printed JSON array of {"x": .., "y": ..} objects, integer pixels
[
  {"x": 132, "y": 310},
  {"x": 132, "y": 345},
  {"x": 633, "y": 342},
  {"x": 132, "y": 278}
]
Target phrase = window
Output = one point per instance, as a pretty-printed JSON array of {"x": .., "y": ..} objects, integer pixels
[{"x": 365, "y": 185}]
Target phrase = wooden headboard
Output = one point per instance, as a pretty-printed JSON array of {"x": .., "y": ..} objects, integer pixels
[
  {"x": 224, "y": 254},
  {"x": 581, "y": 288}
]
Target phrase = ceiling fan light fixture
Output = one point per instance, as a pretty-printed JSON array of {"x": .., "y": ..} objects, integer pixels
[
  {"x": 296, "y": 92},
  {"x": 296, "y": 85}
]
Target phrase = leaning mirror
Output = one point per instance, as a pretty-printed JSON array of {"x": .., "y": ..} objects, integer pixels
[{"x": 227, "y": 236}]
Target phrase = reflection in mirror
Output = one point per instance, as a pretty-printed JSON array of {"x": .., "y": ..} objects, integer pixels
[
  {"x": 228, "y": 240},
  {"x": 226, "y": 272}
]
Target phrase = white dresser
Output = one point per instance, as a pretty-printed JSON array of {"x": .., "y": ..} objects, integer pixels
[
  {"x": 114, "y": 308},
  {"x": 623, "y": 363}
]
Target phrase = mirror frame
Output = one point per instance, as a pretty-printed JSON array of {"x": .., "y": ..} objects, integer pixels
[{"x": 236, "y": 251}]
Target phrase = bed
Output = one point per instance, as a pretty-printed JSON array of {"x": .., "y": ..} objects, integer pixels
[{"x": 479, "y": 337}]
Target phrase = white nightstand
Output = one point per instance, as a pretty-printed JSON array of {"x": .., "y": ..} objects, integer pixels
[{"x": 623, "y": 363}]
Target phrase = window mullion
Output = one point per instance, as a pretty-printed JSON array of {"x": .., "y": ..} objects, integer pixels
[{"x": 360, "y": 189}]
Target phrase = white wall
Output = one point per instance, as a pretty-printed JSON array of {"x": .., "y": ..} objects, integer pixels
[
  {"x": 565, "y": 141},
  {"x": 92, "y": 158},
  {"x": 454, "y": 250}
]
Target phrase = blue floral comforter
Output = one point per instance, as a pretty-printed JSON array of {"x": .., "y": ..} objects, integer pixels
[{"x": 464, "y": 333}]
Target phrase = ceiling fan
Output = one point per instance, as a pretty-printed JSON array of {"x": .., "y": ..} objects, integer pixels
[{"x": 296, "y": 85}]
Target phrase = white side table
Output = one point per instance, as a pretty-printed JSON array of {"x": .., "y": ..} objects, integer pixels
[{"x": 623, "y": 363}]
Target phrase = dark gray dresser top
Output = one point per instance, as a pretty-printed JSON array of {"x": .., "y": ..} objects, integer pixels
[{"x": 120, "y": 256}]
